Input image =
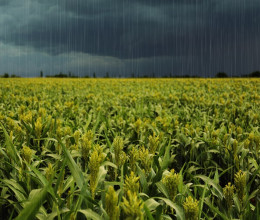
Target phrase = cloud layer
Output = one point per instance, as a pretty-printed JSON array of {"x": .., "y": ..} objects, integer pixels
[{"x": 178, "y": 36}]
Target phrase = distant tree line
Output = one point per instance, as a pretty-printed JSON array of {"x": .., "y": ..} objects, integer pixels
[
  {"x": 225, "y": 75},
  {"x": 71, "y": 75},
  {"x": 133, "y": 75},
  {"x": 6, "y": 75},
  {"x": 60, "y": 75},
  {"x": 255, "y": 74}
]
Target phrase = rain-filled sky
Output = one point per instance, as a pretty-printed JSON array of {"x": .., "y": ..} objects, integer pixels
[{"x": 126, "y": 37}]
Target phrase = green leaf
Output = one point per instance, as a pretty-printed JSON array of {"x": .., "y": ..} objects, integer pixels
[
  {"x": 60, "y": 176},
  {"x": 88, "y": 122},
  {"x": 43, "y": 180},
  {"x": 52, "y": 215},
  {"x": 166, "y": 159},
  {"x": 202, "y": 200},
  {"x": 74, "y": 169},
  {"x": 89, "y": 214},
  {"x": 251, "y": 196},
  {"x": 213, "y": 151},
  {"x": 143, "y": 180},
  {"x": 101, "y": 175},
  {"x": 163, "y": 189},
  {"x": 159, "y": 211},
  {"x": 212, "y": 183},
  {"x": 237, "y": 203},
  {"x": 181, "y": 184},
  {"x": 113, "y": 183},
  {"x": 108, "y": 142},
  {"x": 223, "y": 172},
  {"x": 55, "y": 156},
  {"x": 216, "y": 177},
  {"x": 28, "y": 127},
  {"x": 151, "y": 204},
  {"x": 16, "y": 188},
  {"x": 256, "y": 172},
  {"x": 148, "y": 213},
  {"x": 46, "y": 127},
  {"x": 215, "y": 210},
  {"x": 166, "y": 217},
  {"x": 68, "y": 183},
  {"x": 108, "y": 163},
  {"x": 192, "y": 169},
  {"x": 178, "y": 209},
  {"x": 40, "y": 176},
  {"x": 10, "y": 146},
  {"x": 32, "y": 207},
  {"x": 42, "y": 212},
  {"x": 84, "y": 195}
]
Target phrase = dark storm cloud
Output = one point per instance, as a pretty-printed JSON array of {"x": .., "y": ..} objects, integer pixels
[
  {"x": 208, "y": 35},
  {"x": 164, "y": 2},
  {"x": 103, "y": 30},
  {"x": 4, "y": 2}
]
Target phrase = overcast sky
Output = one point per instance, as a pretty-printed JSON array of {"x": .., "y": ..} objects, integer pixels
[{"x": 195, "y": 37}]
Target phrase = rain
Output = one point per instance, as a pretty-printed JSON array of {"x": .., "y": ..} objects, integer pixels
[{"x": 129, "y": 38}]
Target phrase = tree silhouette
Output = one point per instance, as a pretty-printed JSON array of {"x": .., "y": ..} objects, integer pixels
[
  {"x": 221, "y": 75},
  {"x": 254, "y": 74}
]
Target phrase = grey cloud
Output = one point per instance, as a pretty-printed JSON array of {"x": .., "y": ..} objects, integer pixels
[
  {"x": 4, "y": 2},
  {"x": 200, "y": 31}
]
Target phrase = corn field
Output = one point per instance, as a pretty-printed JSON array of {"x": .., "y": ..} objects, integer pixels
[{"x": 129, "y": 149}]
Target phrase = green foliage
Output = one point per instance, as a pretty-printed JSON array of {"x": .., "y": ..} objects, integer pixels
[{"x": 129, "y": 148}]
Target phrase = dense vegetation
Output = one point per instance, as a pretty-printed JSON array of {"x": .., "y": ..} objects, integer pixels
[{"x": 129, "y": 149}]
